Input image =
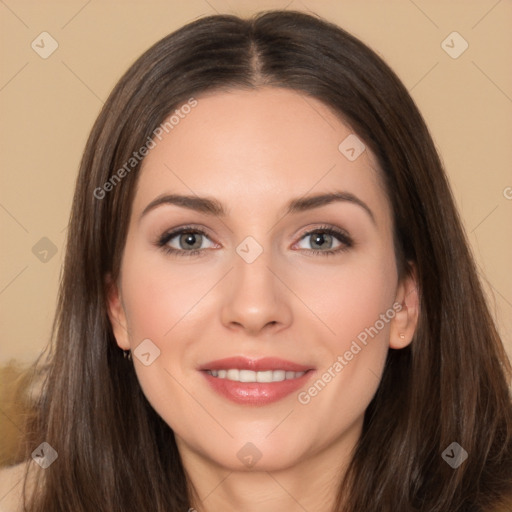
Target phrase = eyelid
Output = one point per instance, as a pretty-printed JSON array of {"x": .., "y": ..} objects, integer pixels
[
  {"x": 326, "y": 228},
  {"x": 164, "y": 238},
  {"x": 344, "y": 238}
]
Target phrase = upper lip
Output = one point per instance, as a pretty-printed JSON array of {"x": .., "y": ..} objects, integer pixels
[{"x": 257, "y": 365}]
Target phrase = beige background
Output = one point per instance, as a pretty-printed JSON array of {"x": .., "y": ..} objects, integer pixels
[{"x": 47, "y": 108}]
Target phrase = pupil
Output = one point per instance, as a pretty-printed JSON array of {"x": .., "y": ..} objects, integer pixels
[
  {"x": 320, "y": 237},
  {"x": 189, "y": 238}
]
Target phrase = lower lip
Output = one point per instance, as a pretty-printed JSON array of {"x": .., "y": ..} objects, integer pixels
[{"x": 256, "y": 393}]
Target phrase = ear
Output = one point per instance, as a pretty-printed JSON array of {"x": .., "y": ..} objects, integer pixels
[
  {"x": 407, "y": 304},
  {"x": 116, "y": 313}
]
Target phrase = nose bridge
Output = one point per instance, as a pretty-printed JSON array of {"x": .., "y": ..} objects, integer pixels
[
  {"x": 252, "y": 278},
  {"x": 255, "y": 297},
  {"x": 253, "y": 253}
]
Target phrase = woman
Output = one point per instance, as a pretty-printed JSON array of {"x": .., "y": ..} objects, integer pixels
[{"x": 252, "y": 372}]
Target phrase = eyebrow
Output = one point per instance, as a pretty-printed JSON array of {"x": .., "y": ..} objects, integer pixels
[{"x": 211, "y": 206}]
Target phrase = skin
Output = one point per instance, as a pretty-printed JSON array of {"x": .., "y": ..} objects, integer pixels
[{"x": 254, "y": 151}]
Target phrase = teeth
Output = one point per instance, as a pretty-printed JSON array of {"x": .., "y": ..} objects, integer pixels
[{"x": 251, "y": 376}]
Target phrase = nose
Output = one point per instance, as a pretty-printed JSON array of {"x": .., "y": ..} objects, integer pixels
[{"x": 255, "y": 297}]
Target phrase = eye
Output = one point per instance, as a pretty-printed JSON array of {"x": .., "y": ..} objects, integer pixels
[
  {"x": 187, "y": 237},
  {"x": 189, "y": 240},
  {"x": 324, "y": 237}
]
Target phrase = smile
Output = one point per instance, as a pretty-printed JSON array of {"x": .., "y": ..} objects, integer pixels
[{"x": 252, "y": 376}]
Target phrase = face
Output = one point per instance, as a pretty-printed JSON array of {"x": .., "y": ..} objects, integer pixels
[{"x": 308, "y": 294}]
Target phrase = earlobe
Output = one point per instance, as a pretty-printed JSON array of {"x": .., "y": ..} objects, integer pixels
[
  {"x": 116, "y": 313},
  {"x": 403, "y": 325}
]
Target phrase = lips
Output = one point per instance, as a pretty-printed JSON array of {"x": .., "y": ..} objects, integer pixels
[
  {"x": 256, "y": 393},
  {"x": 256, "y": 365}
]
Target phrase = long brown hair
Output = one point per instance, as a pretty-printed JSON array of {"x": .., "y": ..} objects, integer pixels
[{"x": 450, "y": 385}]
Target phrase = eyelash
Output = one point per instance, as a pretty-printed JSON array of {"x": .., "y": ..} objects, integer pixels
[{"x": 341, "y": 236}]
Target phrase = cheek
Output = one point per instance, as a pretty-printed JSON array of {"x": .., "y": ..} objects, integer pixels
[
  {"x": 351, "y": 297},
  {"x": 367, "y": 313},
  {"x": 158, "y": 301},
  {"x": 362, "y": 301},
  {"x": 356, "y": 306},
  {"x": 158, "y": 295}
]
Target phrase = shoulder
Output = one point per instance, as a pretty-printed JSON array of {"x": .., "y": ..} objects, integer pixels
[{"x": 11, "y": 487}]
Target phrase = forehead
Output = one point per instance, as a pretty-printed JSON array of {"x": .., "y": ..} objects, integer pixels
[{"x": 254, "y": 148}]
